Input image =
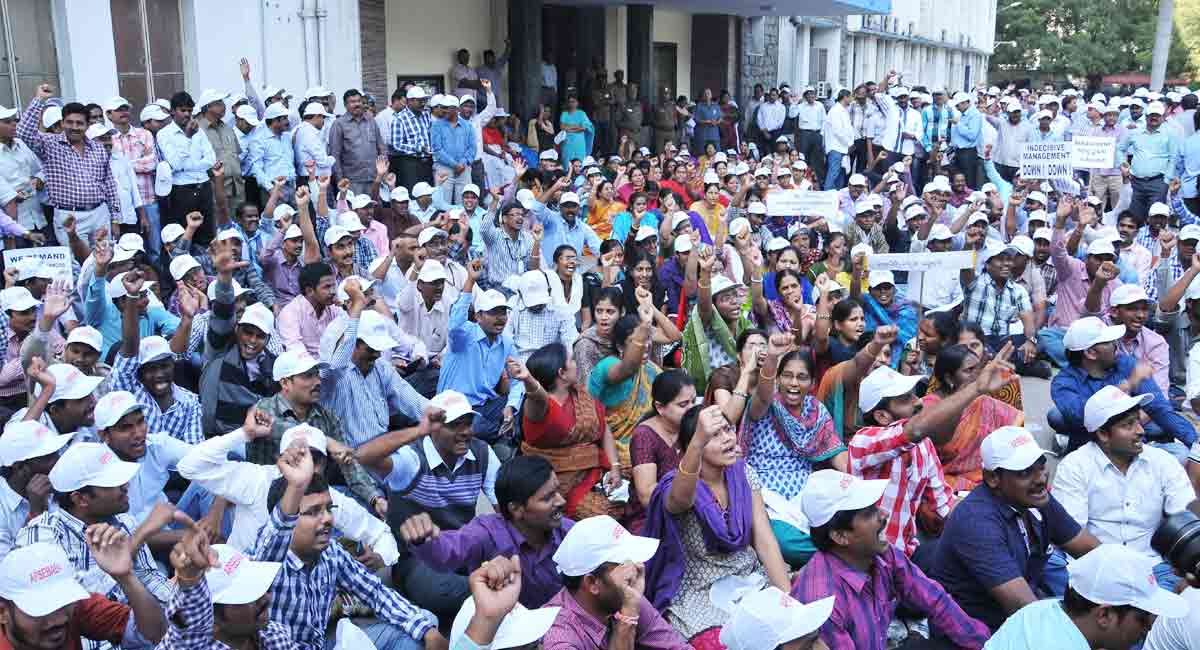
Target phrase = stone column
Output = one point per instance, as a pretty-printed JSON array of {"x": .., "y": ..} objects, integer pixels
[
  {"x": 640, "y": 51},
  {"x": 525, "y": 58}
]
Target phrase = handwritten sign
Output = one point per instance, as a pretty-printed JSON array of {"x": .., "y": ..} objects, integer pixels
[
  {"x": 55, "y": 258},
  {"x": 1091, "y": 152},
  {"x": 1046, "y": 160},
  {"x": 787, "y": 203},
  {"x": 952, "y": 261}
]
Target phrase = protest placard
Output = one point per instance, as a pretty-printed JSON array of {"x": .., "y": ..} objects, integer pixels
[
  {"x": 1046, "y": 160},
  {"x": 787, "y": 203},
  {"x": 1091, "y": 152},
  {"x": 55, "y": 258},
  {"x": 948, "y": 262}
]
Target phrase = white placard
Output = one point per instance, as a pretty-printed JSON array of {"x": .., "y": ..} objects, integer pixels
[
  {"x": 57, "y": 258},
  {"x": 1046, "y": 160},
  {"x": 1091, "y": 152},
  {"x": 951, "y": 261},
  {"x": 789, "y": 203}
]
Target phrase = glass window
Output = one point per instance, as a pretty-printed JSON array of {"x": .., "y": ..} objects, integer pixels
[
  {"x": 27, "y": 50},
  {"x": 147, "y": 36}
]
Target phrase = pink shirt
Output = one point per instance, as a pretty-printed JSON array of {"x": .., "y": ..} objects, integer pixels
[
  {"x": 299, "y": 324},
  {"x": 1072, "y": 285},
  {"x": 1140, "y": 259},
  {"x": 377, "y": 234},
  {"x": 138, "y": 147},
  {"x": 12, "y": 373},
  {"x": 576, "y": 629},
  {"x": 1151, "y": 347}
]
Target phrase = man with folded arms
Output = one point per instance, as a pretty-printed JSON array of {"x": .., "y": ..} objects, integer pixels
[
  {"x": 995, "y": 544},
  {"x": 28, "y": 451},
  {"x": 603, "y": 569},
  {"x": 1111, "y": 602},
  {"x": 869, "y": 577}
]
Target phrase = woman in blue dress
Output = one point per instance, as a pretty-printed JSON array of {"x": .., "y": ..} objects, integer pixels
[
  {"x": 575, "y": 123},
  {"x": 708, "y": 121}
]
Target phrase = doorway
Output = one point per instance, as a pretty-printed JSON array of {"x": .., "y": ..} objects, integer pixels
[{"x": 665, "y": 71}]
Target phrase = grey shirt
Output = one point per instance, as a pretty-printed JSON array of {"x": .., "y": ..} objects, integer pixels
[{"x": 355, "y": 143}]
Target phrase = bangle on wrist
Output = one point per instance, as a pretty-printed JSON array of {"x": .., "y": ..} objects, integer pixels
[
  {"x": 627, "y": 620},
  {"x": 742, "y": 394}
]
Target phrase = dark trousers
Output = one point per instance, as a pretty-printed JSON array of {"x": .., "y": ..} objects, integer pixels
[
  {"x": 809, "y": 143},
  {"x": 967, "y": 162},
  {"x": 410, "y": 170},
  {"x": 994, "y": 343},
  {"x": 858, "y": 156},
  {"x": 1006, "y": 172},
  {"x": 603, "y": 143},
  {"x": 185, "y": 199},
  {"x": 1146, "y": 191},
  {"x": 252, "y": 194}
]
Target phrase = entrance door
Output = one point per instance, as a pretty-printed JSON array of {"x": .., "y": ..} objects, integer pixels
[
  {"x": 149, "y": 53},
  {"x": 664, "y": 71}
]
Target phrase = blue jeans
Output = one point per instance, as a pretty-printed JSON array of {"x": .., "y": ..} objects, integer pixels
[
  {"x": 195, "y": 503},
  {"x": 154, "y": 237},
  {"x": 1050, "y": 343},
  {"x": 833, "y": 171},
  {"x": 385, "y": 636},
  {"x": 1054, "y": 578}
]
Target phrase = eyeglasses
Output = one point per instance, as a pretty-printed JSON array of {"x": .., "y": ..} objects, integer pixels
[{"x": 317, "y": 511}]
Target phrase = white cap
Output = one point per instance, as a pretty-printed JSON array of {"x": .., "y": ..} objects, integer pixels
[
  {"x": 432, "y": 271},
  {"x": 260, "y": 316},
  {"x": 373, "y": 330},
  {"x": 518, "y": 628},
  {"x": 600, "y": 540},
  {"x": 526, "y": 198},
  {"x": 247, "y": 112},
  {"x": 771, "y": 618},
  {"x": 317, "y": 91},
  {"x": 1012, "y": 106},
  {"x": 453, "y": 404},
  {"x": 861, "y": 248},
  {"x": 782, "y": 172},
  {"x": 1102, "y": 246},
  {"x": 644, "y": 233},
  {"x": 757, "y": 207},
  {"x": 683, "y": 244},
  {"x": 238, "y": 289},
  {"x": 274, "y": 111},
  {"x": 914, "y": 211},
  {"x": 1190, "y": 232},
  {"x": 710, "y": 177},
  {"x": 51, "y": 115},
  {"x": 864, "y": 206},
  {"x": 1127, "y": 294},
  {"x": 359, "y": 201},
  {"x": 17, "y": 299},
  {"x": 336, "y": 234},
  {"x": 829, "y": 492},
  {"x": 961, "y": 97},
  {"x": 569, "y": 197},
  {"x": 348, "y": 221},
  {"x": 210, "y": 95},
  {"x": 898, "y": 91},
  {"x": 882, "y": 383},
  {"x": 740, "y": 169},
  {"x": 422, "y": 189},
  {"x": 548, "y": 154},
  {"x": 876, "y": 278},
  {"x": 1043, "y": 233},
  {"x": 992, "y": 249},
  {"x": 149, "y": 112},
  {"x": 762, "y": 172},
  {"x": 1113, "y": 574},
  {"x": 305, "y": 434},
  {"x": 416, "y": 92},
  {"x": 69, "y": 383},
  {"x": 977, "y": 217},
  {"x": 1047, "y": 99},
  {"x": 1042, "y": 114},
  {"x": 1089, "y": 331},
  {"x": 717, "y": 157},
  {"x": 1159, "y": 209},
  {"x": 172, "y": 232},
  {"x": 1156, "y": 108},
  {"x": 90, "y": 463},
  {"x": 28, "y": 439},
  {"x": 722, "y": 283},
  {"x": 39, "y": 579},
  {"x": 293, "y": 232},
  {"x": 236, "y": 579},
  {"x": 1023, "y": 244},
  {"x": 294, "y": 362},
  {"x": 739, "y": 226},
  {"x": 428, "y": 234},
  {"x": 363, "y": 283},
  {"x": 777, "y": 244},
  {"x": 940, "y": 232},
  {"x": 1038, "y": 215},
  {"x": 858, "y": 180},
  {"x": 679, "y": 218},
  {"x": 314, "y": 108},
  {"x": 1037, "y": 196},
  {"x": 534, "y": 289},
  {"x": 1109, "y": 402},
  {"x": 97, "y": 130},
  {"x": 181, "y": 265},
  {"x": 1011, "y": 448},
  {"x": 114, "y": 406},
  {"x": 486, "y": 301},
  {"x": 153, "y": 348}
]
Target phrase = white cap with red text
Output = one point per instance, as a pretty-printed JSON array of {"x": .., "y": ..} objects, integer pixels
[
  {"x": 90, "y": 463},
  {"x": 29, "y": 439},
  {"x": 829, "y": 492},
  {"x": 114, "y": 406},
  {"x": 1011, "y": 448},
  {"x": 1116, "y": 575},
  {"x": 236, "y": 579},
  {"x": 69, "y": 383},
  {"x": 882, "y": 383},
  {"x": 1109, "y": 402},
  {"x": 600, "y": 540},
  {"x": 453, "y": 404},
  {"x": 39, "y": 579}
]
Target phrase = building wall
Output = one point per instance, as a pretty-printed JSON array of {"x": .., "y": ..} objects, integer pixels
[
  {"x": 676, "y": 27},
  {"x": 423, "y": 41}
]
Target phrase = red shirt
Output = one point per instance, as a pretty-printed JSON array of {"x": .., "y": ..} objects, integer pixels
[{"x": 96, "y": 618}]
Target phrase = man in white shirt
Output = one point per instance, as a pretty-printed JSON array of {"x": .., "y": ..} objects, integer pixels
[
  {"x": 902, "y": 126},
  {"x": 933, "y": 290},
  {"x": 132, "y": 214},
  {"x": 771, "y": 116},
  {"x": 839, "y": 136},
  {"x": 1117, "y": 486},
  {"x": 309, "y": 144},
  {"x": 28, "y": 451},
  {"x": 423, "y": 307},
  {"x": 22, "y": 170},
  {"x": 810, "y": 120}
]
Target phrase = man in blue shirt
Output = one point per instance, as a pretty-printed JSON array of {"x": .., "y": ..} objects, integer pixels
[
  {"x": 453, "y": 143},
  {"x": 187, "y": 150},
  {"x": 1151, "y": 151},
  {"x": 104, "y": 298},
  {"x": 965, "y": 136},
  {"x": 563, "y": 226},
  {"x": 1094, "y": 363},
  {"x": 272, "y": 156}
]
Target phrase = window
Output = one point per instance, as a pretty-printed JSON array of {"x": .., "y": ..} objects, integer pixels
[
  {"x": 818, "y": 65},
  {"x": 756, "y": 36},
  {"x": 27, "y": 52},
  {"x": 147, "y": 35}
]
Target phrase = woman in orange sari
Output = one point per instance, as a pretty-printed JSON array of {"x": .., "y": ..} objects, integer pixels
[
  {"x": 603, "y": 209},
  {"x": 563, "y": 424}
]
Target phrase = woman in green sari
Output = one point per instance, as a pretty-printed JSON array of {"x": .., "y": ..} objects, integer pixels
[
  {"x": 623, "y": 382},
  {"x": 719, "y": 317}
]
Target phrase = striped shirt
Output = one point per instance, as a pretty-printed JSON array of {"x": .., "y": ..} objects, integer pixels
[
  {"x": 190, "y": 624},
  {"x": 995, "y": 307},
  {"x": 507, "y": 257},
  {"x": 73, "y": 182},
  {"x": 180, "y": 421},
  {"x": 915, "y": 476},
  {"x": 866, "y": 603},
  {"x": 302, "y": 595},
  {"x": 410, "y": 133},
  {"x": 1176, "y": 269}
]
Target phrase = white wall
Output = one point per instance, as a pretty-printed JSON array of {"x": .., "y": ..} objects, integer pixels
[
  {"x": 422, "y": 40},
  {"x": 616, "y": 45},
  {"x": 676, "y": 27},
  {"x": 87, "y": 58}
]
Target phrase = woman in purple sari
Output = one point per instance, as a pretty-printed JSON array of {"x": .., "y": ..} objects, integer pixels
[{"x": 711, "y": 521}]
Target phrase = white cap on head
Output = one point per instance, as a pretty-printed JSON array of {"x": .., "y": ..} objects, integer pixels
[
  {"x": 238, "y": 289},
  {"x": 940, "y": 232},
  {"x": 1089, "y": 331},
  {"x": 978, "y": 217},
  {"x": 39, "y": 579},
  {"x": 114, "y": 406},
  {"x": 645, "y": 232},
  {"x": 292, "y": 362},
  {"x": 548, "y": 154},
  {"x": 1023, "y": 244},
  {"x": 359, "y": 201},
  {"x": 526, "y": 198},
  {"x": 881, "y": 384},
  {"x": 149, "y": 112},
  {"x": 453, "y": 404},
  {"x": 600, "y": 540},
  {"x": 861, "y": 248},
  {"x": 17, "y": 299},
  {"x": 534, "y": 289},
  {"x": 349, "y": 221},
  {"x": 739, "y": 226},
  {"x": 1043, "y": 233},
  {"x": 364, "y": 284},
  {"x": 757, "y": 207},
  {"x": 208, "y": 96},
  {"x": 961, "y": 97},
  {"x": 428, "y": 234},
  {"x": 1011, "y": 448},
  {"x": 51, "y": 115},
  {"x": 28, "y": 439},
  {"x": 305, "y": 434},
  {"x": 777, "y": 244},
  {"x": 1038, "y": 215},
  {"x": 180, "y": 266},
  {"x": 98, "y": 130},
  {"x": 1159, "y": 209},
  {"x": 678, "y": 219},
  {"x": 1036, "y": 196},
  {"x": 69, "y": 383},
  {"x": 1102, "y": 246},
  {"x": 1116, "y": 575},
  {"x": 293, "y": 232},
  {"x": 1043, "y": 115},
  {"x": 153, "y": 348},
  {"x": 829, "y": 492},
  {"x": 432, "y": 271},
  {"x": 722, "y": 283},
  {"x": 336, "y": 234},
  {"x": 90, "y": 463},
  {"x": 275, "y": 111},
  {"x": 172, "y": 232},
  {"x": 247, "y": 112},
  {"x": 486, "y": 301},
  {"x": 877, "y": 278},
  {"x": 858, "y": 180},
  {"x": 568, "y": 197},
  {"x": 236, "y": 579},
  {"x": 259, "y": 316},
  {"x": 1190, "y": 232},
  {"x": 1127, "y": 294},
  {"x": 1109, "y": 402},
  {"x": 416, "y": 92},
  {"x": 992, "y": 249},
  {"x": 771, "y": 618},
  {"x": 519, "y": 627},
  {"x": 1156, "y": 108}
]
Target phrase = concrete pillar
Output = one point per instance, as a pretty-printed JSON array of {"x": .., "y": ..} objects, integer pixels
[
  {"x": 589, "y": 41},
  {"x": 640, "y": 51},
  {"x": 525, "y": 62}
]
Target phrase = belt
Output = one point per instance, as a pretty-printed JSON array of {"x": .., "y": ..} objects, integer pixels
[
  {"x": 78, "y": 208},
  {"x": 191, "y": 185},
  {"x": 408, "y": 155},
  {"x": 810, "y": 130},
  {"x": 1149, "y": 178}
]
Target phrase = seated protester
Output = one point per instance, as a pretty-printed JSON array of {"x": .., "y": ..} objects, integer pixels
[
  {"x": 301, "y": 321},
  {"x": 298, "y": 402},
  {"x": 81, "y": 348},
  {"x": 1181, "y": 633},
  {"x": 242, "y": 298},
  {"x": 20, "y": 307},
  {"x": 512, "y": 248},
  {"x": 299, "y": 533},
  {"x": 364, "y": 249},
  {"x": 71, "y": 404},
  {"x": 238, "y": 367},
  {"x": 128, "y": 252},
  {"x": 839, "y": 387},
  {"x": 562, "y": 423},
  {"x": 187, "y": 271},
  {"x": 90, "y": 488},
  {"x": 710, "y": 336},
  {"x": 44, "y": 603},
  {"x": 146, "y": 368},
  {"x": 936, "y": 330},
  {"x": 655, "y": 446},
  {"x": 363, "y": 388},
  {"x": 840, "y": 323},
  {"x": 881, "y": 306},
  {"x": 474, "y": 360},
  {"x": 739, "y": 377},
  {"x": 436, "y": 245},
  {"x": 1130, "y": 306},
  {"x": 996, "y": 302},
  {"x": 675, "y": 277},
  {"x": 770, "y": 618},
  {"x": 865, "y": 228},
  {"x": 1117, "y": 487},
  {"x": 595, "y": 342},
  {"x": 248, "y": 276},
  {"x": 852, "y": 553},
  {"x": 492, "y": 617},
  {"x": 622, "y": 382},
  {"x": 221, "y": 598},
  {"x": 1028, "y": 276},
  {"x": 245, "y": 486},
  {"x": 280, "y": 261},
  {"x": 391, "y": 270},
  {"x": 996, "y": 542},
  {"x": 39, "y": 278},
  {"x": 1094, "y": 364},
  {"x": 1084, "y": 287},
  {"x": 565, "y": 225},
  {"x": 601, "y": 601},
  {"x": 1112, "y": 602},
  {"x": 1178, "y": 306},
  {"x": 443, "y": 473},
  {"x": 529, "y": 524},
  {"x": 423, "y": 307},
  {"x": 474, "y": 215},
  {"x": 104, "y": 305},
  {"x": 707, "y": 533},
  {"x": 28, "y": 451}
]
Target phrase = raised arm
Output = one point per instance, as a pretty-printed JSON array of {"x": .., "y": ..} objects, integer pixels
[
  {"x": 683, "y": 487},
  {"x": 312, "y": 249}
]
